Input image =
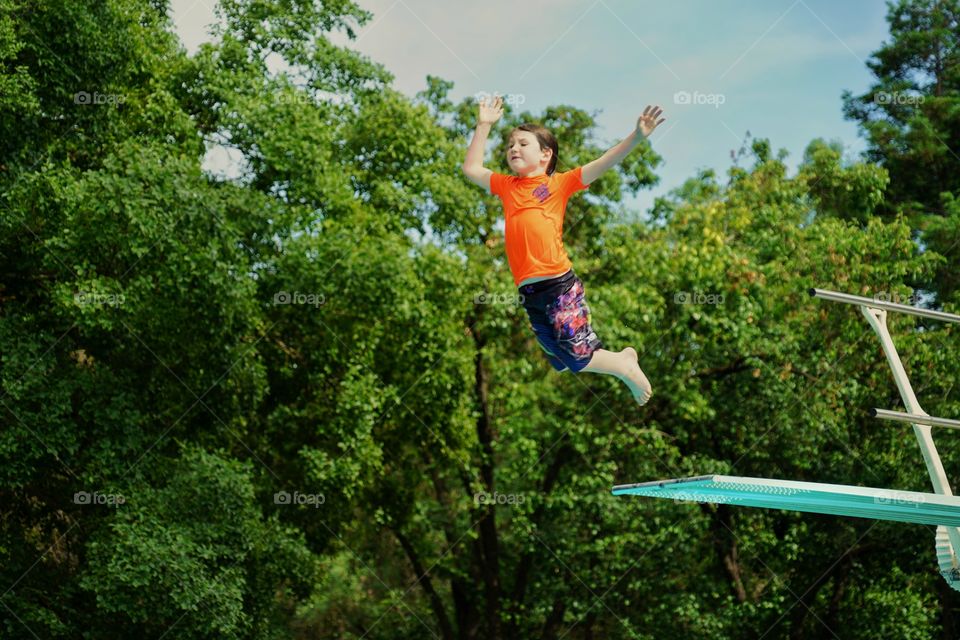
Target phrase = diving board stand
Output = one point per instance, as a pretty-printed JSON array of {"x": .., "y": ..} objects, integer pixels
[{"x": 940, "y": 508}]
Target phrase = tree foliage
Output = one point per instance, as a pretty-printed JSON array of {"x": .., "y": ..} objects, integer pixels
[
  {"x": 304, "y": 402},
  {"x": 911, "y": 119}
]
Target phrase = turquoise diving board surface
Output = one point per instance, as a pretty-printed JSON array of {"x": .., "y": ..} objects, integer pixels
[{"x": 815, "y": 497}]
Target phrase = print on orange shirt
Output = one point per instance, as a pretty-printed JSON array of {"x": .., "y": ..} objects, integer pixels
[{"x": 533, "y": 210}]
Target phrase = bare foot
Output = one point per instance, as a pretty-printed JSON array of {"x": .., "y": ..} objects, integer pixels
[{"x": 634, "y": 377}]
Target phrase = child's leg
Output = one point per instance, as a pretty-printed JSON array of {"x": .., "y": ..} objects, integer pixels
[
  {"x": 565, "y": 328},
  {"x": 624, "y": 366},
  {"x": 555, "y": 362}
]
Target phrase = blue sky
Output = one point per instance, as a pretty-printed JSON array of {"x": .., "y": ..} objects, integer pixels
[{"x": 775, "y": 67}]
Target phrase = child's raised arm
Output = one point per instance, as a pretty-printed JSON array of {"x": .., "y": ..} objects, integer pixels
[
  {"x": 473, "y": 164},
  {"x": 646, "y": 123}
]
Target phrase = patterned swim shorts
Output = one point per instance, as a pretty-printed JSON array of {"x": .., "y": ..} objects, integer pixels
[{"x": 560, "y": 319}]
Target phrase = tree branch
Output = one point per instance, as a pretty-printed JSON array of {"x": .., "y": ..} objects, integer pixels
[
  {"x": 464, "y": 613},
  {"x": 424, "y": 580},
  {"x": 564, "y": 454},
  {"x": 807, "y": 599},
  {"x": 553, "y": 620},
  {"x": 736, "y": 366},
  {"x": 488, "y": 524},
  {"x": 725, "y": 543}
]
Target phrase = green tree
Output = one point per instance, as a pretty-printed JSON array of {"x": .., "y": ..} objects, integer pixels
[
  {"x": 130, "y": 318},
  {"x": 339, "y": 322},
  {"x": 847, "y": 191},
  {"x": 911, "y": 119}
]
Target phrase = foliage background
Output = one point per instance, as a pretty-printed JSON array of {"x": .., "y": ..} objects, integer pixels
[{"x": 192, "y": 353}]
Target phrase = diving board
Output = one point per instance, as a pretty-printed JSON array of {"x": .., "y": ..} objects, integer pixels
[
  {"x": 940, "y": 508},
  {"x": 814, "y": 497}
]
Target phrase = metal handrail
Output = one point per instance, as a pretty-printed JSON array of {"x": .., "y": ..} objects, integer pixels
[
  {"x": 883, "y": 304},
  {"x": 912, "y": 418}
]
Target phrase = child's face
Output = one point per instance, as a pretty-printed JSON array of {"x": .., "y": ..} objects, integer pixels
[{"x": 524, "y": 154}]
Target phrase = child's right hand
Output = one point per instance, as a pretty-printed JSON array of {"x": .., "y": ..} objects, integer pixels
[{"x": 490, "y": 112}]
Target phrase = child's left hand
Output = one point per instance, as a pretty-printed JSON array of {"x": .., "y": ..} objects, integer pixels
[{"x": 647, "y": 122}]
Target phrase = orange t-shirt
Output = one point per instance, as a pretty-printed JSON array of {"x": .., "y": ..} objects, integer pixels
[{"x": 533, "y": 209}]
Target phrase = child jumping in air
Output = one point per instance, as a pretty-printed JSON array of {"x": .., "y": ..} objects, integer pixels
[{"x": 534, "y": 203}]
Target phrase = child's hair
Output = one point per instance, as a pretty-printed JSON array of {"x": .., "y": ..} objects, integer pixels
[{"x": 546, "y": 140}]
